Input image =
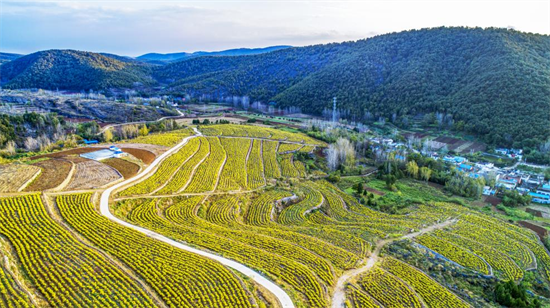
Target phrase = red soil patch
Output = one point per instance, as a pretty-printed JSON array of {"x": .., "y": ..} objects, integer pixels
[{"x": 145, "y": 156}]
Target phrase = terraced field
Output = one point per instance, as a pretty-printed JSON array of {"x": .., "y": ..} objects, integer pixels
[
  {"x": 91, "y": 174},
  {"x": 183, "y": 175},
  {"x": 166, "y": 139},
  {"x": 164, "y": 173},
  {"x": 255, "y": 169},
  {"x": 222, "y": 164},
  {"x": 181, "y": 279},
  {"x": 433, "y": 294},
  {"x": 65, "y": 271},
  {"x": 260, "y": 133},
  {"x": 242, "y": 194},
  {"x": 323, "y": 217},
  {"x": 15, "y": 177},
  {"x": 10, "y": 293},
  {"x": 388, "y": 289},
  {"x": 54, "y": 172},
  {"x": 233, "y": 175}
]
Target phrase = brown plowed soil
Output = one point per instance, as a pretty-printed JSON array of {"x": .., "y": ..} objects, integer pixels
[
  {"x": 145, "y": 156},
  {"x": 91, "y": 174},
  {"x": 54, "y": 172},
  {"x": 75, "y": 159},
  {"x": 541, "y": 231},
  {"x": 126, "y": 168}
]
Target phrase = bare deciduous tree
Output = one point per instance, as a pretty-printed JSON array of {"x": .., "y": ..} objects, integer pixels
[
  {"x": 11, "y": 147},
  {"x": 341, "y": 153},
  {"x": 31, "y": 144}
]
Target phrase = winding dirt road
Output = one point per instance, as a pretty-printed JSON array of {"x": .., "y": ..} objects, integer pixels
[
  {"x": 339, "y": 296},
  {"x": 279, "y": 293}
]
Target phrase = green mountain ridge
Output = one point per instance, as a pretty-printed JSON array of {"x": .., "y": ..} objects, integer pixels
[
  {"x": 494, "y": 83},
  {"x": 74, "y": 70}
]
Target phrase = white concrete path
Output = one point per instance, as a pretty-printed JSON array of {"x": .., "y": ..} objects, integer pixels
[{"x": 279, "y": 293}]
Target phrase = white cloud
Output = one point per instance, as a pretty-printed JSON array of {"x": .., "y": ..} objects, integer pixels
[{"x": 135, "y": 27}]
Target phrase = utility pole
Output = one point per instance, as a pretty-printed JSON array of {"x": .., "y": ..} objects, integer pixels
[{"x": 334, "y": 120}]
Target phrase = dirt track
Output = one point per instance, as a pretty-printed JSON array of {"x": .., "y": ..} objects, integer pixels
[{"x": 338, "y": 299}]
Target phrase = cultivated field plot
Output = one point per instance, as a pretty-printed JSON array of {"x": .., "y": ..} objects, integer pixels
[
  {"x": 272, "y": 168},
  {"x": 307, "y": 149},
  {"x": 59, "y": 266},
  {"x": 233, "y": 175},
  {"x": 207, "y": 164},
  {"x": 433, "y": 294},
  {"x": 251, "y": 131},
  {"x": 54, "y": 172},
  {"x": 206, "y": 175},
  {"x": 11, "y": 294},
  {"x": 168, "y": 139},
  {"x": 14, "y": 177},
  {"x": 252, "y": 200},
  {"x": 459, "y": 146},
  {"x": 126, "y": 168},
  {"x": 289, "y": 147},
  {"x": 145, "y": 156},
  {"x": 183, "y": 175},
  {"x": 315, "y": 230},
  {"x": 180, "y": 278},
  {"x": 208, "y": 107},
  {"x": 388, "y": 289},
  {"x": 320, "y": 233},
  {"x": 91, "y": 174}
]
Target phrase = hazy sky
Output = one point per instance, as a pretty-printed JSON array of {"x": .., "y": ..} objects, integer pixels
[{"x": 136, "y": 27}]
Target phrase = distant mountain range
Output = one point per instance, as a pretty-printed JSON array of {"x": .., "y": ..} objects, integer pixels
[
  {"x": 159, "y": 58},
  {"x": 491, "y": 82},
  {"x": 7, "y": 57},
  {"x": 172, "y": 57}
]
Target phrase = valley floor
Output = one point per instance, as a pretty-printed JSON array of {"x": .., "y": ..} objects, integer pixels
[{"x": 230, "y": 216}]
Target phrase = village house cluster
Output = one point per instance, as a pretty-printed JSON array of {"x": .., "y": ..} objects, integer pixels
[{"x": 497, "y": 179}]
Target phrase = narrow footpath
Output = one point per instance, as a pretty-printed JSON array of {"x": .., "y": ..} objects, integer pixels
[{"x": 339, "y": 297}]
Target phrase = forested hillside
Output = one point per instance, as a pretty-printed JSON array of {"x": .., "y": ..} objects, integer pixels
[
  {"x": 70, "y": 69},
  {"x": 7, "y": 57},
  {"x": 494, "y": 83},
  {"x": 259, "y": 76}
]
